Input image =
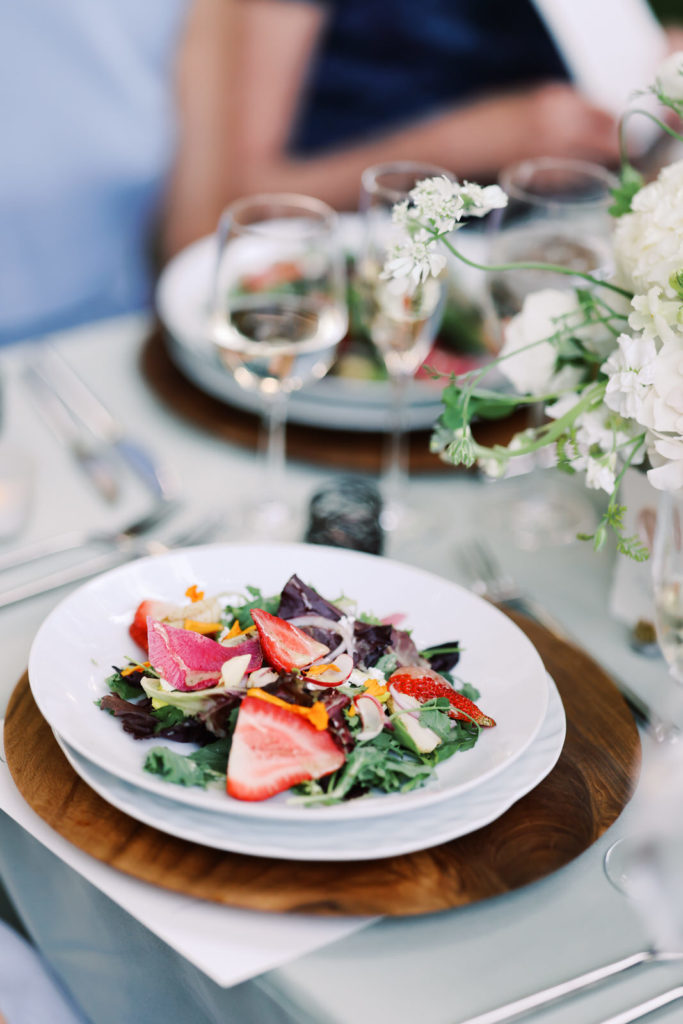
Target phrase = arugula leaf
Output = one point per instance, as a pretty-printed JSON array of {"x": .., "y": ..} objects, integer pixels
[
  {"x": 204, "y": 766},
  {"x": 119, "y": 685},
  {"x": 242, "y": 612},
  {"x": 434, "y": 716},
  {"x": 167, "y": 717}
]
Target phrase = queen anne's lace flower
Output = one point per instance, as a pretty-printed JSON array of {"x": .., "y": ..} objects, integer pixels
[{"x": 478, "y": 200}]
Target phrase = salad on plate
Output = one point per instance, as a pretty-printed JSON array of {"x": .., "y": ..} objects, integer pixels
[{"x": 290, "y": 692}]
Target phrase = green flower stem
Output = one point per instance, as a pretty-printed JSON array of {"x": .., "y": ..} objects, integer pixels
[
  {"x": 653, "y": 117},
  {"x": 555, "y": 268},
  {"x": 551, "y": 432}
]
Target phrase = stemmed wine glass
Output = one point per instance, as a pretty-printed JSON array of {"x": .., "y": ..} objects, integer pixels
[
  {"x": 401, "y": 327},
  {"x": 557, "y": 213},
  {"x": 647, "y": 864},
  {"x": 278, "y": 314}
]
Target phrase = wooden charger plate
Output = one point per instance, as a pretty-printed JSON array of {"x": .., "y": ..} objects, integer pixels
[
  {"x": 360, "y": 451},
  {"x": 546, "y": 829}
]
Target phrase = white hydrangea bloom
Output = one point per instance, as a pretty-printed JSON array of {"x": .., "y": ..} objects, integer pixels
[
  {"x": 666, "y": 458},
  {"x": 656, "y": 316},
  {"x": 669, "y": 78},
  {"x": 647, "y": 241},
  {"x": 631, "y": 371},
  {"x": 530, "y": 355},
  {"x": 661, "y": 409}
]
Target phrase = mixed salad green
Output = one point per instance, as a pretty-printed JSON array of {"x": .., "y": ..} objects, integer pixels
[{"x": 290, "y": 692}]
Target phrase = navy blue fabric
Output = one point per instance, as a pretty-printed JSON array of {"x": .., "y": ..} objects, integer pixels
[{"x": 382, "y": 63}]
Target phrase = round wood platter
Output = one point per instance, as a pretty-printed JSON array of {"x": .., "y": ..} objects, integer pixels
[
  {"x": 546, "y": 829},
  {"x": 360, "y": 451}
]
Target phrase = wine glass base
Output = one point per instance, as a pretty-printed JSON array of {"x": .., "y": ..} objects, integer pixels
[
  {"x": 537, "y": 511},
  {"x": 268, "y": 520}
]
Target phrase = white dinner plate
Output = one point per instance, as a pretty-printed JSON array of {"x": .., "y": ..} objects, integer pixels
[
  {"x": 87, "y": 633},
  {"x": 367, "y": 839},
  {"x": 182, "y": 298}
]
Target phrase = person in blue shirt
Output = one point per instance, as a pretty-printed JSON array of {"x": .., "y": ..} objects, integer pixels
[
  {"x": 108, "y": 111},
  {"x": 329, "y": 87}
]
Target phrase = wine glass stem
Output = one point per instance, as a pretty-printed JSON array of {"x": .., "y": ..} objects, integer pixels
[
  {"x": 396, "y": 471},
  {"x": 275, "y": 419}
]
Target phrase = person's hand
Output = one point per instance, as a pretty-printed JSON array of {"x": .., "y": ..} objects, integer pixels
[{"x": 553, "y": 119}]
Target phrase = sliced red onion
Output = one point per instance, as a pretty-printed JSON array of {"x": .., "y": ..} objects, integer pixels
[
  {"x": 395, "y": 619},
  {"x": 342, "y": 627},
  {"x": 371, "y": 714},
  {"x": 263, "y": 676},
  {"x": 405, "y": 702},
  {"x": 337, "y": 673}
]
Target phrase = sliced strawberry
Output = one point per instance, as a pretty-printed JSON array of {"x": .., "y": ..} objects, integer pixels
[
  {"x": 284, "y": 646},
  {"x": 424, "y": 684},
  {"x": 149, "y": 609},
  {"x": 273, "y": 749}
]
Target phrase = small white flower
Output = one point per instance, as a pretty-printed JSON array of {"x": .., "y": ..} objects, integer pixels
[
  {"x": 655, "y": 316},
  {"x": 631, "y": 371},
  {"x": 600, "y": 473},
  {"x": 669, "y": 78},
  {"x": 478, "y": 200},
  {"x": 415, "y": 260}
]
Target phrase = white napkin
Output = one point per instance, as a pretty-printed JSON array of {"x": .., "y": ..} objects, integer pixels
[
  {"x": 612, "y": 49},
  {"x": 228, "y": 945}
]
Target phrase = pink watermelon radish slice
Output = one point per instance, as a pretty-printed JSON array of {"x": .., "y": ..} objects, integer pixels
[{"x": 190, "y": 661}]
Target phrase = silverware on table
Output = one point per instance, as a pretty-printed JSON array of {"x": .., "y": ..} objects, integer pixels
[
  {"x": 93, "y": 420},
  {"x": 649, "y": 1006},
  {"x": 489, "y": 580},
  {"x": 126, "y": 549},
  {"x": 547, "y": 996},
  {"x": 74, "y": 540},
  {"x": 92, "y": 460}
]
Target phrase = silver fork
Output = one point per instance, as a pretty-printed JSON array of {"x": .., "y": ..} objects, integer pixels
[
  {"x": 546, "y": 997},
  {"x": 489, "y": 580},
  {"x": 72, "y": 540},
  {"x": 136, "y": 547}
]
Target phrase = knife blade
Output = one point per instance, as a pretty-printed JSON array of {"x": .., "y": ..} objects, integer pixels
[
  {"x": 87, "y": 408},
  {"x": 92, "y": 461}
]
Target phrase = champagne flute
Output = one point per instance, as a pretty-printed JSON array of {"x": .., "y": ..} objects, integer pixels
[
  {"x": 401, "y": 327},
  {"x": 278, "y": 314},
  {"x": 557, "y": 213}
]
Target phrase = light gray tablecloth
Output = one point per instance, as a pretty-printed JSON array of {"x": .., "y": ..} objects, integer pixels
[{"x": 438, "y": 968}]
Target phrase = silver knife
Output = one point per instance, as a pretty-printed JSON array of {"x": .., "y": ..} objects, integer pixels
[
  {"x": 93, "y": 461},
  {"x": 86, "y": 407}
]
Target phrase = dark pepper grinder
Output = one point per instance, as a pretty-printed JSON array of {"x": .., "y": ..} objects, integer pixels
[{"x": 346, "y": 514}]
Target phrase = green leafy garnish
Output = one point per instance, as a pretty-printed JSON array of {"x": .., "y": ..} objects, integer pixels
[
  {"x": 242, "y": 612},
  {"x": 204, "y": 766}
]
